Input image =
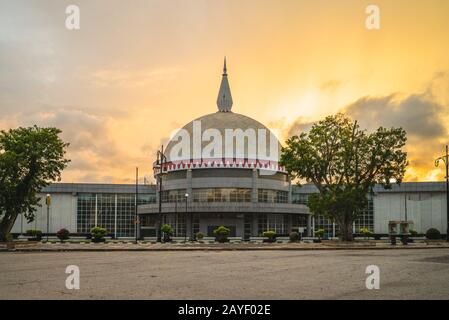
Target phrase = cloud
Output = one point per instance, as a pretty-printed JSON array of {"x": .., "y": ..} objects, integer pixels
[
  {"x": 418, "y": 115},
  {"x": 301, "y": 124},
  {"x": 331, "y": 85},
  {"x": 94, "y": 153},
  {"x": 422, "y": 115},
  {"x": 129, "y": 78}
]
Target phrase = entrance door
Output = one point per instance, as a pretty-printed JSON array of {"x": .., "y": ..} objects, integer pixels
[{"x": 210, "y": 231}]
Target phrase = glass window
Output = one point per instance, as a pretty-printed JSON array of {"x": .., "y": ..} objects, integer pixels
[
  {"x": 272, "y": 222},
  {"x": 272, "y": 196},
  {"x": 300, "y": 198},
  {"x": 104, "y": 207},
  {"x": 170, "y": 196},
  {"x": 222, "y": 195},
  {"x": 85, "y": 212},
  {"x": 177, "y": 222}
]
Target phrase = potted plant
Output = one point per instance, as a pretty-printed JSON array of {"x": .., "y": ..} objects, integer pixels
[
  {"x": 294, "y": 236},
  {"x": 168, "y": 232},
  {"x": 98, "y": 234},
  {"x": 200, "y": 236},
  {"x": 10, "y": 245},
  {"x": 319, "y": 233},
  {"x": 36, "y": 235},
  {"x": 63, "y": 234},
  {"x": 366, "y": 233},
  {"x": 270, "y": 235},
  {"x": 221, "y": 234}
]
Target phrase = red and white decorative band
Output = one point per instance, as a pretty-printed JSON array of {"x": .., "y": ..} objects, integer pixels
[{"x": 231, "y": 163}]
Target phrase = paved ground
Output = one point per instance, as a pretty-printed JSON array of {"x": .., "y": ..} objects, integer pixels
[{"x": 404, "y": 274}]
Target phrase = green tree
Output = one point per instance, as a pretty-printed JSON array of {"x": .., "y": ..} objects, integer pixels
[
  {"x": 344, "y": 163},
  {"x": 30, "y": 158}
]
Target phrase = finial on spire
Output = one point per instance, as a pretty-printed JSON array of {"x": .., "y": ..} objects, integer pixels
[
  {"x": 225, "y": 70},
  {"x": 224, "y": 100}
]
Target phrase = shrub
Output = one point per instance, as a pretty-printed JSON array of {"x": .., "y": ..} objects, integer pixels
[
  {"x": 168, "y": 232},
  {"x": 365, "y": 232},
  {"x": 200, "y": 236},
  {"x": 63, "y": 234},
  {"x": 222, "y": 230},
  {"x": 167, "y": 229},
  {"x": 37, "y": 234},
  {"x": 9, "y": 237},
  {"x": 33, "y": 233},
  {"x": 221, "y": 234},
  {"x": 433, "y": 234},
  {"x": 413, "y": 233},
  {"x": 294, "y": 236},
  {"x": 319, "y": 233},
  {"x": 98, "y": 233},
  {"x": 269, "y": 234}
]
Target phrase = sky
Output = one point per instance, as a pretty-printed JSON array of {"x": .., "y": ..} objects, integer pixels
[{"x": 137, "y": 70}]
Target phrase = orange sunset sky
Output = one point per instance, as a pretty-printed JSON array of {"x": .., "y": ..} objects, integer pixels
[{"x": 136, "y": 70}]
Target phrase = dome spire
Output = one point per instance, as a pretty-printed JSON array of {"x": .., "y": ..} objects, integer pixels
[{"x": 224, "y": 100}]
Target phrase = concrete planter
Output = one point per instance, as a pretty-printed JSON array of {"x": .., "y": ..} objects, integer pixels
[
  {"x": 10, "y": 245},
  {"x": 221, "y": 238},
  {"x": 433, "y": 242}
]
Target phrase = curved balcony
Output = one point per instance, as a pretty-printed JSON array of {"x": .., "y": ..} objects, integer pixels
[{"x": 225, "y": 207}]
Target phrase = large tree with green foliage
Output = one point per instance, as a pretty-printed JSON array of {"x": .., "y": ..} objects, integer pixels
[
  {"x": 344, "y": 163},
  {"x": 30, "y": 158}
]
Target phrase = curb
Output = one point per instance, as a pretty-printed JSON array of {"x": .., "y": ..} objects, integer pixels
[{"x": 214, "y": 249}]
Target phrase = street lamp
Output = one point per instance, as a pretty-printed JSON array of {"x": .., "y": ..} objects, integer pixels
[
  {"x": 48, "y": 203},
  {"x": 445, "y": 159},
  {"x": 185, "y": 219},
  {"x": 136, "y": 217},
  {"x": 161, "y": 160}
]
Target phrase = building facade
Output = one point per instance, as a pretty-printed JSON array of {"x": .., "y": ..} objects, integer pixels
[
  {"x": 222, "y": 170},
  {"x": 78, "y": 207}
]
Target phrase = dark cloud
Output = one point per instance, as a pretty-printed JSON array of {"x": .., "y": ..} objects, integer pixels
[
  {"x": 422, "y": 115},
  {"x": 300, "y": 125},
  {"x": 418, "y": 115}
]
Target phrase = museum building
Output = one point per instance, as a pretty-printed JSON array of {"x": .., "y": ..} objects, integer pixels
[{"x": 222, "y": 170}]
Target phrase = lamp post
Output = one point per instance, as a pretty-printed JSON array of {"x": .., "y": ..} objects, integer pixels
[
  {"x": 136, "y": 219},
  {"x": 185, "y": 219},
  {"x": 48, "y": 203},
  {"x": 445, "y": 159},
  {"x": 161, "y": 160}
]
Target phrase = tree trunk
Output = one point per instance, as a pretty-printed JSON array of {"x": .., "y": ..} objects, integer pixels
[
  {"x": 6, "y": 225},
  {"x": 346, "y": 231}
]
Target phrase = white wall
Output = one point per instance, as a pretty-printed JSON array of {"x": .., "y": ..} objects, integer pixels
[
  {"x": 62, "y": 215},
  {"x": 425, "y": 209}
]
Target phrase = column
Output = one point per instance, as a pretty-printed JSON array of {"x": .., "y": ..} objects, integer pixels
[
  {"x": 255, "y": 226},
  {"x": 189, "y": 188},
  {"x": 309, "y": 225},
  {"x": 115, "y": 217},
  {"x": 96, "y": 211},
  {"x": 289, "y": 190},
  {"x": 254, "y": 191}
]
